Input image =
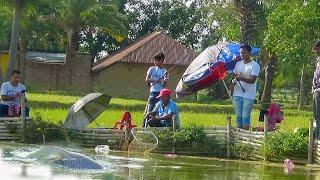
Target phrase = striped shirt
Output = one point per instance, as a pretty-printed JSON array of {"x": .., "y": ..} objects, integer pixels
[{"x": 316, "y": 77}]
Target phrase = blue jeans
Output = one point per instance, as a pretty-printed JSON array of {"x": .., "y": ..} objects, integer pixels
[
  {"x": 152, "y": 101},
  {"x": 242, "y": 108}
]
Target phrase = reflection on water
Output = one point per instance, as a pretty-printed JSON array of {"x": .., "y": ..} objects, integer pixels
[{"x": 15, "y": 163}]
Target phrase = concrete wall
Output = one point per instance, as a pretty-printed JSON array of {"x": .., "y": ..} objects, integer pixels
[
  {"x": 41, "y": 76},
  {"x": 127, "y": 80}
]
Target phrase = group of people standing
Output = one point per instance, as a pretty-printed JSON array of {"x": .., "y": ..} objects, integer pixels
[{"x": 161, "y": 110}]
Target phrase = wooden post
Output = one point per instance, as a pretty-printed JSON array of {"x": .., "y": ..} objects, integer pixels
[
  {"x": 228, "y": 136},
  {"x": 125, "y": 146},
  {"x": 265, "y": 132},
  {"x": 173, "y": 123},
  {"x": 23, "y": 108},
  {"x": 265, "y": 126},
  {"x": 173, "y": 129},
  {"x": 310, "y": 144}
]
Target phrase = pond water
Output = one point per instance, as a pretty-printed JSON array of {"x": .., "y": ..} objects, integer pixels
[{"x": 16, "y": 163}]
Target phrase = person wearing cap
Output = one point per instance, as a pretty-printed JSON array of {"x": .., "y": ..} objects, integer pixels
[
  {"x": 316, "y": 89},
  {"x": 164, "y": 112},
  {"x": 157, "y": 78}
]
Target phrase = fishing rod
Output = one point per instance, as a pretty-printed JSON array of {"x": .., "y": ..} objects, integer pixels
[
  {"x": 170, "y": 69},
  {"x": 220, "y": 50},
  {"x": 165, "y": 74}
]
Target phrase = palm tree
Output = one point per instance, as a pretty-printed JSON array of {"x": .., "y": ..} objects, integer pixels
[
  {"x": 14, "y": 37},
  {"x": 79, "y": 15}
]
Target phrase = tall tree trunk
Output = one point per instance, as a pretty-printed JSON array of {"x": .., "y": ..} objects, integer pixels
[
  {"x": 268, "y": 78},
  {"x": 14, "y": 38},
  {"x": 302, "y": 101},
  {"x": 246, "y": 17},
  {"x": 71, "y": 53},
  {"x": 22, "y": 58}
]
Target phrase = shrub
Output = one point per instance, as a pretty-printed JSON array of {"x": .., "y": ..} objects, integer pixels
[
  {"x": 242, "y": 150},
  {"x": 190, "y": 140},
  {"x": 37, "y": 128},
  {"x": 285, "y": 144},
  {"x": 13, "y": 128}
]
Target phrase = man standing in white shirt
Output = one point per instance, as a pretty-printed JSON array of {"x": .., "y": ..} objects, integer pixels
[
  {"x": 246, "y": 72},
  {"x": 10, "y": 95}
]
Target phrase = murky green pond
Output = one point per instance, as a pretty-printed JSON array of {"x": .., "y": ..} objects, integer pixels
[{"x": 16, "y": 163}]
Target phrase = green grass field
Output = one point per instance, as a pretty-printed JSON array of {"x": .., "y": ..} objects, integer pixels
[{"x": 54, "y": 107}]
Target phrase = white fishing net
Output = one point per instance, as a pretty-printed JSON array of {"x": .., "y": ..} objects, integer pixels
[{"x": 144, "y": 141}]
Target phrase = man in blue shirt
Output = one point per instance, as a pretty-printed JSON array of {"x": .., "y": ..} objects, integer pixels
[
  {"x": 164, "y": 113},
  {"x": 155, "y": 73}
]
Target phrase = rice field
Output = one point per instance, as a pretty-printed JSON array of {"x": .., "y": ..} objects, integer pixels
[{"x": 53, "y": 106}]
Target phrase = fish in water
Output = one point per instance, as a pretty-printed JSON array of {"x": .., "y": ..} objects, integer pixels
[{"x": 65, "y": 158}]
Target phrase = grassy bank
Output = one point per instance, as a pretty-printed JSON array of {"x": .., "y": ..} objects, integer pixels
[{"x": 53, "y": 107}]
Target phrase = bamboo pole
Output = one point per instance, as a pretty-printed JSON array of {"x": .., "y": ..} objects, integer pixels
[
  {"x": 173, "y": 129},
  {"x": 265, "y": 132},
  {"x": 23, "y": 108},
  {"x": 228, "y": 136},
  {"x": 126, "y": 136},
  {"x": 310, "y": 144}
]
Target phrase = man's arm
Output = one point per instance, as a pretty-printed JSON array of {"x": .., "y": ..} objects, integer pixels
[
  {"x": 7, "y": 98},
  {"x": 250, "y": 80},
  {"x": 165, "y": 117},
  {"x": 149, "y": 80},
  {"x": 254, "y": 74},
  {"x": 165, "y": 79}
]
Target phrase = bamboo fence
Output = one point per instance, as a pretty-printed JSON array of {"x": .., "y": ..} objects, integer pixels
[{"x": 5, "y": 123}]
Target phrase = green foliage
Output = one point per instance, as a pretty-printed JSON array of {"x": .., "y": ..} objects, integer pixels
[
  {"x": 5, "y": 26},
  {"x": 190, "y": 140},
  {"x": 37, "y": 128},
  {"x": 13, "y": 127},
  {"x": 301, "y": 132},
  {"x": 242, "y": 150},
  {"x": 183, "y": 21},
  {"x": 293, "y": 28},
  {"x": 285, "y": 145}
]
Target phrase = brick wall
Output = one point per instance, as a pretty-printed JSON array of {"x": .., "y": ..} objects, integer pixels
[
  {"x": 40, "y": 76},
  {"x": 128, "y": 80}
]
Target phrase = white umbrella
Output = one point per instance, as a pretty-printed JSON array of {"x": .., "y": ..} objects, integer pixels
[{"x": 86, "y": 110}]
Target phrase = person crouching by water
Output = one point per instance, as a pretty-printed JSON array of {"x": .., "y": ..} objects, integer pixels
[
  {"x": 164, "y": 113},
  {"x": 157, "y": 78},
  {"x": 246, "y": 72},
  {"x": 10, "y": 96}
]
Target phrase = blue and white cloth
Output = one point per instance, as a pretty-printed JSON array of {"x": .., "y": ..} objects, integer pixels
[{"x": 316, "y": 77}]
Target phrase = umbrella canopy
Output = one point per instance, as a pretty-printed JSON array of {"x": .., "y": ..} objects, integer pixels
[
  {"x": 210, "y": 66},
  {"x": 86, "y": 110}
]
